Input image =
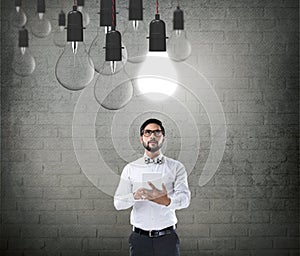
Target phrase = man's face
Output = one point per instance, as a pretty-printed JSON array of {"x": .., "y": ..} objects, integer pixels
[{"x": 152, "y": 138}]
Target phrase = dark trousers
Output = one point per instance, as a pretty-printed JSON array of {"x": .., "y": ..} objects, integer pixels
[{"x": 141, "y": 245}]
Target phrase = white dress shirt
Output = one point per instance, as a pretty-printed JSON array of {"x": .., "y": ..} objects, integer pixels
[{"x": 145, "y": 214}]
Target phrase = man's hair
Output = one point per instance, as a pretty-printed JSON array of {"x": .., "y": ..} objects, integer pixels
[{"x": 152, "y": 121}]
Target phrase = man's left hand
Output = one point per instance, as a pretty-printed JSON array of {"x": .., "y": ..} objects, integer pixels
[{"x": 156, "y": 195}]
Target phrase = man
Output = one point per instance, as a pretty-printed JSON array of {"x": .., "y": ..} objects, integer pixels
[{"x": 153, "y": 208}]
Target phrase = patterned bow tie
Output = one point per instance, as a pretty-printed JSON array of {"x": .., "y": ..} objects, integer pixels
[{"x": 155, "y": 160}]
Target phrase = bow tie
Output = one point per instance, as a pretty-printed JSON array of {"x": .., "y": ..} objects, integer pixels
[{"x": 155, "y": 160}]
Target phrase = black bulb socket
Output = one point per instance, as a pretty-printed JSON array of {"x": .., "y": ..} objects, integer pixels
[
  {"x": 113, "y": 46},
  {"x": 75, "y": 26},
  {"x": 18, "y": 3},
  {"x": 135, "y": 9},
  {"x": 106, "y": 13},
  {"x": 157, "y": 35},
  {"x": 80, "y": 2},
  {"x": 178, "y": 22},
  {"x": 23, "y": 37},
  {"x": 62, "y": 19},
  {"x": 41, "y": 6}
]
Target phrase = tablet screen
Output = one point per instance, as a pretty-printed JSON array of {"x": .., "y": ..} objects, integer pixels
[{"x": 154, "y": 177}]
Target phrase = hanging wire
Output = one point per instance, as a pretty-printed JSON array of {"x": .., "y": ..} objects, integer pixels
[
  {"x": 156, "y": 6},
  {"x": 22, "y": 7},
  {"x": 113, "y": 13}
]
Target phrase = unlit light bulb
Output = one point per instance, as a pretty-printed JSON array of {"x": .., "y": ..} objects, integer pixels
[
  {"x": 113, "y": 91},
  {"x": 135, "y": 34},
  {"x": 60, "y": 37},
  {"x": 135, "y": 38},
  {"x": 85, "y": 15},
  {"x": 24, "y": 62},
  {"x": 74, "y": 69},
  {"x": 178, "y": 46},
  {"x": 18, "y": 18},
  {"x": 40, "y": 25}
]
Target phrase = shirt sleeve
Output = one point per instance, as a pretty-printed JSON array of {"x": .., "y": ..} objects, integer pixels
[
  {"x": 123, "y": 198},
  {"x": 181, "y": 196}
]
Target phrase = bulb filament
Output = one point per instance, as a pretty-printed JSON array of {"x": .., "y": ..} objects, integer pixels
[
  {"x": 135, "y": 25},
  {"x": 23, "y": 50},
  {"x": 107, "y": 29},
  {"x": 74, "y": 47},
  {"x": 113, "y": 66},
  {"x": 41, "y": 15}
]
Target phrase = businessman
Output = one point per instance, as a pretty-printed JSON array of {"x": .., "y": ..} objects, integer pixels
[{"x": 153, "y": 217}]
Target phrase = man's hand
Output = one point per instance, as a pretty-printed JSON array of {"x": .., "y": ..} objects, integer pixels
[
  {"x": 139, "y": 194},
  {"x": 156, "y": 195}
]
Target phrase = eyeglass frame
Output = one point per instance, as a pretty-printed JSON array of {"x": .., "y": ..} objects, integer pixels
[{"x": 153, "y": 132}]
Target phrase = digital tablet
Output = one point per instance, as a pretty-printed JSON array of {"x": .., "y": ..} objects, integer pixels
[{"x": 154, "y": 177}]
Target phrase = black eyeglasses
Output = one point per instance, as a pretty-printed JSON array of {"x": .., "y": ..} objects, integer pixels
[{"x": 147, "y": 133}]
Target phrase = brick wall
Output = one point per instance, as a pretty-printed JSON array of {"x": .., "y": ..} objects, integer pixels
[{"x": 248, "y": 51}]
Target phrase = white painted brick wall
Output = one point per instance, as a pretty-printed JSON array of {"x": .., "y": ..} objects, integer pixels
[{"x": 249, "y": 52}]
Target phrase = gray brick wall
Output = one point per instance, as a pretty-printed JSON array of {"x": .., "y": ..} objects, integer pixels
[{"x": 248, "y": 50}]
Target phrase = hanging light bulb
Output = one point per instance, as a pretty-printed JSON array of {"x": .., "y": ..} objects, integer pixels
[
  {"x": 136, "y": 32},
  {"x": 74, "y": 69},
  {"x": 103, "y": 60},
  {"x": 113, "y": 44},
  {"x": 157, "y": 64},
  {"x": 40, "y": 25},
  {"x": 59, "y": 37},
  {"x": 85, "y": 15},
  {"x": 179, "y": 47},
  {"x": 24, "y": 62},
  {"x": 113, "y": 48},
  {"x": 96, "y": 50},
  {"x": 18, "y": 18},
  {"x": 157, "y": 33},
  {"x": 113, "y": 91},
  {"x": 149, "y": 79}
]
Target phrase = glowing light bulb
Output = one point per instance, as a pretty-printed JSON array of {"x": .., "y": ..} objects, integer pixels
[
  {"x": 97, "y": 53},
  {"x": 74, "y": 69},
  {"x": 40, "y": 25},
  {"x": 148, "y": 79},
  {"x": 18, "y": 18},
  {"x": 24, "y": 62}
]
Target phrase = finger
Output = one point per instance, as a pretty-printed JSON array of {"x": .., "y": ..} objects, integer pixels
[
  {"x": 152, "y": 186},
  {"x": 164, "y": 189},
  {"x": 139, "y": 190}
]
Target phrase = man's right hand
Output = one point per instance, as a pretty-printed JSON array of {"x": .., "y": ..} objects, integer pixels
[{"x": 139, "y": 194}]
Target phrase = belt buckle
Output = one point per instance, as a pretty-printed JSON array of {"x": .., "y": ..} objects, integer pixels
[
  {"x": 150, "y": 235},
  {"x": 155, "y": 233}
]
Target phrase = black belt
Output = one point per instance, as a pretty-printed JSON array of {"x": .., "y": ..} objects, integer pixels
[{"x": 154, "y": 233}]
